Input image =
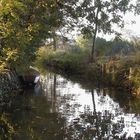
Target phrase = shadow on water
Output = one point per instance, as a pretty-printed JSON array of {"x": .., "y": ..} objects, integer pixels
[{"x": 58, "y": 109}]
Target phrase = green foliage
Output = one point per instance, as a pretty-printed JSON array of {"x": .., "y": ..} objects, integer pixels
[
  {"x": 24, "y": 25},
  {"x": 135, "y": 41},
  {"x": 113, "y": 71},
  {"x": 134, "y": 63},
  {"x": 127, "y": 71},
  {"x": 99, "y": 16},
  {"x": 82, "y": 41},
  {"x": 69, "y": 59},
  {"x": 117, "y": 46},
  {"x": 103, "y": 13},
  {"x": 135, "y": 79},
  {"x": 6, "y": 129},
  {"x": 102, "y": 47}
]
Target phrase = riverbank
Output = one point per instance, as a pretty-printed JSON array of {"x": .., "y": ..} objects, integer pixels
[
  {"x": 9, "y": 81},
  {"x": 122, "y": 73},
  {"x": 14, "y": 81}
]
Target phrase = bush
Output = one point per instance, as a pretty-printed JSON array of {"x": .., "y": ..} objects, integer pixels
[{"x": 69, "y": 59}]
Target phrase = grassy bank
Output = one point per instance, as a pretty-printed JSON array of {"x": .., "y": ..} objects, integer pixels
[{"x": 120, "y": 72}]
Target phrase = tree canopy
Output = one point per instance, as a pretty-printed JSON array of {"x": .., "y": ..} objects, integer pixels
[
  {"x": 100, "y": 16},
  {"x": 23, "y": 26}
]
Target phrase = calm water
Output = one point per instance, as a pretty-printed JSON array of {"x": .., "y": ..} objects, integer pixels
[{"x": 58, "y": 109}]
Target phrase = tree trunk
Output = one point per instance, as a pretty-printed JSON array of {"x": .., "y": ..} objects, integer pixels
[
  {"x": 54, "y": 41},
  {"x": 54, "y": 86},
  {"x": 95, "y": 113},
  {"x": 94, "y": 36},
  {"x": 93, "y": 46}
]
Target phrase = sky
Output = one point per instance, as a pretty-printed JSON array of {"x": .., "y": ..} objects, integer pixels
[
  {"x": 135, "y": 28},
  {"x": 129, "y": 28}
]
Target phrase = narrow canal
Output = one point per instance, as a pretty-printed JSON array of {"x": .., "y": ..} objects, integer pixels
[{"x": 59, "y": 109}]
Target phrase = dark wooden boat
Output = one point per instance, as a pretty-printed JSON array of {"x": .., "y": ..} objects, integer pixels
[{"x": 28, "y": 79}]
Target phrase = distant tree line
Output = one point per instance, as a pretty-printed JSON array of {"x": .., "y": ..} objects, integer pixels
[{"x": 117, "y": 46}]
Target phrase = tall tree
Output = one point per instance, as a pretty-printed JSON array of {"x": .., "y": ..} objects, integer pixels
[{"x": 100, "y": 16}]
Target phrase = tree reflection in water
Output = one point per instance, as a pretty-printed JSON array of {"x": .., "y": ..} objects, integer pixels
[
  {"x": 63, "y": 110},
  {"x": 28, "y": 116},
  {"x": 103, "y": 119},
  {"x": 101, "y": 125}
]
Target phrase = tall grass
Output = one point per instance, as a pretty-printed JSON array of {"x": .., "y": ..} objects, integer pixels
[
  {"x": 72, "y": 57},
  {"x": 75, "y": 60}
]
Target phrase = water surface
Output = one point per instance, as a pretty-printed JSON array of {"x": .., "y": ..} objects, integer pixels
[{"x": 59, "y": 109}]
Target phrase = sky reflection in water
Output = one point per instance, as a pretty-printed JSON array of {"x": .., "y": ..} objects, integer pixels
[
  {"x": 59, "y": 109},
  {"x": 103, "y": 114}
]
